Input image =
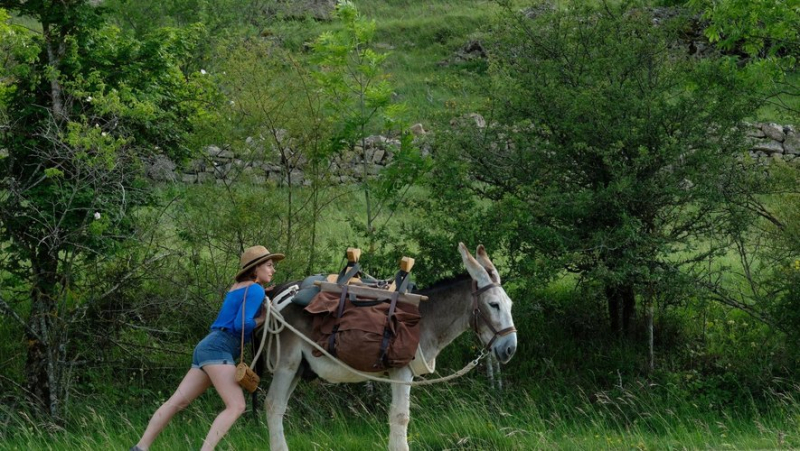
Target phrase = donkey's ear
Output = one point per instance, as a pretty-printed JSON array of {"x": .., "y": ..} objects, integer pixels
[
  {"x": 483, "y": 259},
  {"x": 475, "y": 270}
]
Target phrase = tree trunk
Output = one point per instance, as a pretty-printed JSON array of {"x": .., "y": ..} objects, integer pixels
[
  {"x": 55, "y": 51},
  {"x": 621, "y": 307},
  {"x": 650, "y": 347},
  {"x": 42, "y": 366}
]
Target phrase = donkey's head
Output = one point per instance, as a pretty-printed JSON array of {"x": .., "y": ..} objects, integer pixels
[{"x": 491, "y": 306}]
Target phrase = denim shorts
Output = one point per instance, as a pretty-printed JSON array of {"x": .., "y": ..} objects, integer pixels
[{"x": 218, "y": 348}]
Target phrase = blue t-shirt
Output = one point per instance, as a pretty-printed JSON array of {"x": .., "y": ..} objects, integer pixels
[{"x": 230, "y": 315}]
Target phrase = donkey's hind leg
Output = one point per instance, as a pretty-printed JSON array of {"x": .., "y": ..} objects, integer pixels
[
  {"x": 399, "y": 416},
  {"x": 284, "y": 380}
]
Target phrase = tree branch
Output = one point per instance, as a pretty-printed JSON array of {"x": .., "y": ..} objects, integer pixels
[{"x": 10, "y": 312}]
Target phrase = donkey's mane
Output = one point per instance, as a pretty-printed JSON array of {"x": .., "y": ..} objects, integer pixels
[{"x": 444, "y": 284}]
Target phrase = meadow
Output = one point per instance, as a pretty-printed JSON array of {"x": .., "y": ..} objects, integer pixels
[{"x": 721, "y": 378}]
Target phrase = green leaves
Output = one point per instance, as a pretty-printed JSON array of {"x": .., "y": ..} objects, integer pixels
[{"x": 764, "y": 28}]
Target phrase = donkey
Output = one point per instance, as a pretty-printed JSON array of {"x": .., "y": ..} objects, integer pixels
[{"x": 478, "y": 302}]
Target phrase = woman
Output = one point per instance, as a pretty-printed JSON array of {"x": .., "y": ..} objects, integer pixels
[{"x": 214, "y": 359}]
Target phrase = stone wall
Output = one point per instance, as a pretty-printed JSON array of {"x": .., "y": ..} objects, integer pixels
[
  {"x": 217, "y": 165},
  {"x": 773, "y": 141}
]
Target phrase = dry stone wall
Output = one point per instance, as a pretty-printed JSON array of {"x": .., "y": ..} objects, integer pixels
[
  {"x": 768, "y": 141},
  {"x": 773, "y": 141},
  {"x": 218, "y": 165}
]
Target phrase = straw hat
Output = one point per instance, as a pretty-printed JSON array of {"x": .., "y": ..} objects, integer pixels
[{"x": 254, "y": 256}]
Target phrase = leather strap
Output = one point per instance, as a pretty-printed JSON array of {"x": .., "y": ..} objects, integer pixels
[
  {"x": 332, "y": 337},
  {"x": 244, "y": 301},
  {"x": 401, "y": 281},
  {"x": 347, "y": 273},
  {"x": 477, "y": 313},
  {"x": 387, "y": 331}
]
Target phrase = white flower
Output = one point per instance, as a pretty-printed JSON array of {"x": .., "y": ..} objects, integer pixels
[
  {"x": 89, "y": 99},
  {"x": 203, "y": 71},
  {"x": 231, "y": 102},
  {"x": 96, "y": 215},
  {"x": 103, "y": 133}
]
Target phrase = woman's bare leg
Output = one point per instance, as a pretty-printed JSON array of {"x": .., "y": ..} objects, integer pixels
[
  {"x": 193, "y": 385},
  {"x": 223, "y": 378}
]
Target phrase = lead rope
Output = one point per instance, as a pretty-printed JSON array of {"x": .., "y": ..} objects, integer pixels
[{"x": 270, "y": 326}]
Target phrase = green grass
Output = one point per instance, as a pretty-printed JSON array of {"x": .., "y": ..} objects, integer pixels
[{"x": 457, "y": 416}]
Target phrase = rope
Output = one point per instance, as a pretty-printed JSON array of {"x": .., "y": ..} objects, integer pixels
[
  {"x": 275, "y": 323},
  {"x": 428, "y": 368}
]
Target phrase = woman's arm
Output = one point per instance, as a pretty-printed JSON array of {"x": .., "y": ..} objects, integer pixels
[
  {"x": 262, "y": 316},
  {"x": 253, "y": 301}
]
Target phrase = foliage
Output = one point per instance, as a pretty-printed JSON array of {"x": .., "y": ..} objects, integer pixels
[
  {"x": 84, "y": 114},
  {"x": 358, "y": 98},
  {"x": 764, "y": 29},
  {"x": 616, "y": 149}
]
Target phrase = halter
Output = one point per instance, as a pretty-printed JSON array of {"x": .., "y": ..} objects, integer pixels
[{"x": 478, "y": 314}]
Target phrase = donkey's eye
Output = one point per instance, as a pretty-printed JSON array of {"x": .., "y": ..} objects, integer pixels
[{"x": 494, "y": 305}]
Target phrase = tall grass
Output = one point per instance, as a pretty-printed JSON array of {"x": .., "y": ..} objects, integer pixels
[{"x": 462, "y": 415}]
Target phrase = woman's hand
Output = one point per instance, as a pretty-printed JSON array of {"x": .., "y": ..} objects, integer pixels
[{"x": 262, "y": 316}]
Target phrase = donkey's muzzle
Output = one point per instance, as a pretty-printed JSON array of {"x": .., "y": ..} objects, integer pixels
[{"x": 505, "y": 347}]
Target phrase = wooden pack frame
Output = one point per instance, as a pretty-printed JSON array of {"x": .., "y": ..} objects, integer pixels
[{"x": 362, "y": 291}]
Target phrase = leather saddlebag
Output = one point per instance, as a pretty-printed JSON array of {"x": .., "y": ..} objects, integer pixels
[{"x": 364, "y": 337}]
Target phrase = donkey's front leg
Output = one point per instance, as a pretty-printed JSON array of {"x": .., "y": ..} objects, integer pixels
[
  {"x": 283, "y": 382},
  {"x": 399, "y": 410}
]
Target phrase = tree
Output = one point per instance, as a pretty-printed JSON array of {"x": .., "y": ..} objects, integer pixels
[
  {"x": 84, "y": 114},
  {"x": 610, "y": 150},
  {"x": 766, "y": 34},
  {"x": 359, "y": 97}
]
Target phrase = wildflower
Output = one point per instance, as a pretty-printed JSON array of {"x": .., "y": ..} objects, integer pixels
[
  {"x": 103, "y": 133},
  {"x": 89, "y": 99},
  {"x": 203, "y": 71},
  {"x": 96, "y": 215}
]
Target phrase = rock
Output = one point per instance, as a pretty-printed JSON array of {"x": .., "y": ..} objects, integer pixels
[
  {"x": 374, "y": 140},
  {"x": 754, "y": 132},
  {"x": 297, "y": 178},
  {"x": 189, "y": 178},
  {"x": 792, "y": 143},
  {"x": 417, "y": 130},
  {"x": 533, "y": 12},
  {"x": 160, "y": 169},
  {"x": 274, "y": 177},
  {"x": 480, "y": 122},
  {"x": 774, "y": 132},
  {"x": 226, "y": 155},
  {"x": 377, "y": 157},
  {"x": 257, "y": 179},
  {"x": 374, "y": 169},
  {"x": 205, "y": 177},
  {"x": 213, "y": 151},
  {"x": 768, "y": 147}
]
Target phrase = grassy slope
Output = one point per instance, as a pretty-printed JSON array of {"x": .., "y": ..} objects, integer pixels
[
  {"x": 419, "y": 35},
  {"x": 461, "y": 423}
]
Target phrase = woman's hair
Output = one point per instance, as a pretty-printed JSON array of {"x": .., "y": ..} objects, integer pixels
[{"x": 249, "y": 275}]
